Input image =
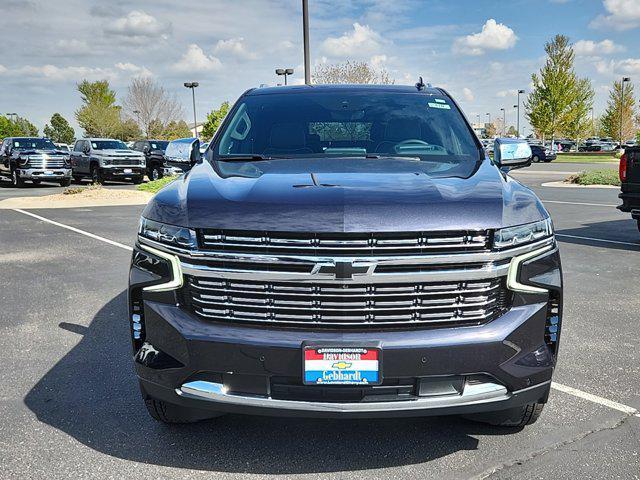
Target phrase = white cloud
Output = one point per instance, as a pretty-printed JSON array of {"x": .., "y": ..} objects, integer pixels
[
  {"x": 362, "y": 41},
  {"x": 134, "y": 69},
  {"x": 629, "y": 66},
  {"x": 589, "y": 48},
  {"x": 55, "y": 73},
  {"x": 138, "y": 25},
  {"x": 622, "y": 15},
  {"x": 468, "y": 94},
  {"x": 507, "y": 93},
  {"x": 234, "y": 47},
  {"x": 494, "y": 36},
  {"x": 195, "y": 60},
  {"x": 71, "y": 47},
  {"x": 378, "y": 61}
]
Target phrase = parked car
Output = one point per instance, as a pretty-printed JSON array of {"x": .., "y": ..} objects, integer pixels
[
  {"x": 180, "y": 155},
  {"x": 34, "y": 159},
  {"x": 103, "y": 159},
  {"x": 347, "y": 251},
  {"x": 154, "y": 156},
  {"x": 630, "y": 182},
  {"x": 63, "y": 147},
  {"x": 541, "y": 154}
]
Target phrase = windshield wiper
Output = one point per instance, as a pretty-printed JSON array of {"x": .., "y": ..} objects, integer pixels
[{"x": 254, "y": 157}]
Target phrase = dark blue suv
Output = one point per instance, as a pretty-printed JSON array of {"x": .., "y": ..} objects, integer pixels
[{"x": 347, "y": 251}]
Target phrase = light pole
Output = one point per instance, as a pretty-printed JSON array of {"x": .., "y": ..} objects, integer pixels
[
  {"x": 285, "y": 72},
  {"x": 489, "y": 117},
  {"x": 504, "y": 121},
  {"x": 305, "y": 39},
  {"x": 518, "y": 107},
  {"x": 518, "y": 122},
  {"x": 624, "y": 80},
  {"x": 15, "y": 115},
  {"x": 192, "y": 86}
]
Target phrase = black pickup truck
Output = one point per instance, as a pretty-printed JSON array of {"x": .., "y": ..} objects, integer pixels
[
  {"x": 35, "y": 159},
  {"x": 630, "y": 182}
]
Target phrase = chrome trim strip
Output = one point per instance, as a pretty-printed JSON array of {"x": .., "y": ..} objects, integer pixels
[
  {"x": 472, "y": 394},
  {"x": 176, "y": 272},
  {"x": 443, "y": 258}
]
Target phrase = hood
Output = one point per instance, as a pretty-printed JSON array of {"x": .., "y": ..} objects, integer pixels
[
  {"x": 347, "y": 196},
  {"x": 120, "y": 153},
  {"x": 36, "y": 151}
]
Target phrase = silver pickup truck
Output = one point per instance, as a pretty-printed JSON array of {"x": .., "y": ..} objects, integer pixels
[{"x": 103, "y": 159}]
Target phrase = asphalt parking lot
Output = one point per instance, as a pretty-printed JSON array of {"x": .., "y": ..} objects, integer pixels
[{"x": 70, "y": 406}]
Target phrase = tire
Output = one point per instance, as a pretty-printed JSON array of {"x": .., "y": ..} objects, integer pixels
[
  {"x": 156, "y": 173},
  {"x": 137, "y": 180},
  {"x": 65, "y": 183},
  {"x": 96, "y": 175},
  {"x": 77, "y": 179},
  {"x": 514, "y": 417},
  {"x": 16, "y": 181},
  {"x": 547, "y": 160},
  {"x": 535, "y": 158},
  {"x": 36, "y": 182},
  {"x": 638, "y": 224},
  {"x": 175, "y": 414}
]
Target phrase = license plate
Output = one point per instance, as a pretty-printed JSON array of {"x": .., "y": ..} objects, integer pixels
[
  {"x": 341, "y": 366},
  {"x": 48, "y": 172},
  {"x": 127, "y": 170}
]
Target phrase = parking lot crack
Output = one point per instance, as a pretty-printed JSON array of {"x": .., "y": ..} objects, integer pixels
[{"x": 557, "y": 446}]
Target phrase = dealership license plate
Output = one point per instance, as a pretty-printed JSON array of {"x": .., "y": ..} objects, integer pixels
[
  {"x": 127, "y": 170},
  {"x": 341, "y": 366},
  {"x": 48, "y": 172}
]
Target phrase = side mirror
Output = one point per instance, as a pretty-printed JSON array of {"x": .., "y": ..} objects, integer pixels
[
  {"x": 511, "y": 153},
  {"x": 194, "y": 156},
  {"x": 86, "y": 149},
  {"x": 146, "y": 149}
]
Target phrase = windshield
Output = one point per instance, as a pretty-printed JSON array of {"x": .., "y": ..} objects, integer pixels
[
  {"x": 349, "y": 124},
  {"x": 33, "y": 143},
  {"x": 159, "y": 145},
  {"x": 108, "y": 145}
]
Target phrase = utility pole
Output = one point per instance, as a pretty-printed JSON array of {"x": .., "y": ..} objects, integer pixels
[
  {"x": 504, "y": 121},
  {"x": 192, "y": 86},
  {"x": 518, "y": 121},
  {"x": 624, "y": 80},
  {"x": 305, "y": 38}
]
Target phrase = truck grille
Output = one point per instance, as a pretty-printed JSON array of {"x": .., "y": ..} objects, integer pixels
[
  {"x": 335, "y": 244},
  {"x": 346, "y": 305},
  {"x": 46, "y": 163},
  {"x": 125, "y": 161}
]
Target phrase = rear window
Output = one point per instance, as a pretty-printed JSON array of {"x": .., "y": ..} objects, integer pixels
[{"x": 348, "y": 123}]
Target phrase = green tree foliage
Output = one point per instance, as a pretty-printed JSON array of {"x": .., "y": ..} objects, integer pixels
[
  {"x": 171, "y": 131},
  {"x": 512, "y": 132},
  {"x": 127, "y": 130},
  {"x": 350, "y": 72},
  {"x": 214, "y": 119},
  {"x": 99, "y": 116},
  {"x": 618, "y": 110},
  {"x": 60, "y": 130},
  {"x": 578, "y": 124},
  {"x": 558, "y": 99},
  {"x": 19, "y": 127},
  {"x": 490, "y": 130}
]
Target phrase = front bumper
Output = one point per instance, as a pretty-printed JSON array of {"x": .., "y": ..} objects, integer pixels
[
  {"x": 54, "y": 174},
  {"x": 119, "y": 172},
  {"x": 224, "y": 366}
]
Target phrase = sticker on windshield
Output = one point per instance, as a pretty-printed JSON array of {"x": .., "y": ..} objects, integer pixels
[
  {"x": 443, "y": 106},
  {"x": 439, "y": 100}
]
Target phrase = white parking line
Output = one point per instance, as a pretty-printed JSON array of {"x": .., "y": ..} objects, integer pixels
[
  {"x": 76, "y": 230},
  {"x": 580, "y": 203},
  {"x": 595, "y": 398},
  {"x": 557, "y": 386},
  {"x": 602, "y": 240}
]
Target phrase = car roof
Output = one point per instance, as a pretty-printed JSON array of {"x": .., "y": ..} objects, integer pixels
[
  {"x": 93, "y": 138},
  {"x": 343, "y": 88}
]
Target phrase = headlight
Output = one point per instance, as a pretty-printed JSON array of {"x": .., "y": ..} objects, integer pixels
[
  {"x": 527, "y": 233},
  {"x": 23, "y": 161},
  {"x": 170, "y": 234},
  {"x": 106, "y": 161}
]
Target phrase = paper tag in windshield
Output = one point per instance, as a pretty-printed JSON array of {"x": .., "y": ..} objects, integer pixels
[{"x": 439, "y": 103}]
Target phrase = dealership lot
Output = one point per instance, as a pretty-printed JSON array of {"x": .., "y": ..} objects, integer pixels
[{"x": 70, "y": 405}]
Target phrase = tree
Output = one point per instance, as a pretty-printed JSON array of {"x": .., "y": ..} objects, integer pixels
[
  {"x": 490, "y": 130},
  {"x": 150, "y": 104},
  {"x": 214, "y": 119},
  {"x": 176, "y": 130},
  {"x": 512, "y": 132},
  {"x": 60, "y": 130},
  {"x": 578, "y": 124},
  {"x": 616, "y": 110},
  {"x": 19, "y": 126},
  {"x": 99, "y": 116},
  {"x": 350, "y": 72},
  {"x": 127, "y": 130},
  {"x": 550, "y": 105}
]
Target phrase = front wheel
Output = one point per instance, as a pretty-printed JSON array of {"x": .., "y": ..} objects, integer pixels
[
  {"x": 171, "y": 413},
  {"x": 137, "y": 180},
  {"x": 156, "y": 173},
  {"x": 36, "y": 182},
  {"x": 536, "y": 158},
  {"x": 513, "y": 417},
  {"x": 65, "y": 182},
  {"x": 16, "y": 179},
  {"x": 96, "y": 175}
]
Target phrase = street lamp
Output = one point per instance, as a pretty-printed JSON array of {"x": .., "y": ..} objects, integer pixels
[
  {"x": 624, "y": 80},
  {"x": 504, "y": 121},
  {"x": 192, "y": 86},
  {"x": 518, "y": 107},
  {"x": 305, "y": 40},
  {"x": 285, "y": 72},
  {"x": 14, "y": 115}
]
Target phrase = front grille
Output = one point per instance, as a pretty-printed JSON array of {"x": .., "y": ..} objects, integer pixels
[
  {"x": 125, "y": 161},
  {"x": 49, "y": 163},
  {"x": 350, "y": 244},
  {"x": 336, "y": 305}
]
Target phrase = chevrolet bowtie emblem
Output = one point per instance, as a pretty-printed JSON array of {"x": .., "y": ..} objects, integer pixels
[
  {"x": 344, "y": 270},
  {"x": 341, "y": 365}
]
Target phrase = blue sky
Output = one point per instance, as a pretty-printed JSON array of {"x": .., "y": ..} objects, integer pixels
[{"x": 481, "y": 51}]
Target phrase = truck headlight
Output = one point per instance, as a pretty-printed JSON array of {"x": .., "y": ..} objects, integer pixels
[
  {"x": 527, "y": 233},
  {"x": 169, "y": 234}
]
